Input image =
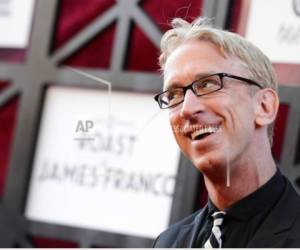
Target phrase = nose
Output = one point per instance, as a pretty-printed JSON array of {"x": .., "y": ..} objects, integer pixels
[{"x": 191, "y": 105}]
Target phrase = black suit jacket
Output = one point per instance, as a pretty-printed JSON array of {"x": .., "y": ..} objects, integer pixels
[{"x": 281, "y": 228}]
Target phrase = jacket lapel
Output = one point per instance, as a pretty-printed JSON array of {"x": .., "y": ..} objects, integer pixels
[
  {"x": 188, "y": 234},
  {"x": 275, "y": 229}
]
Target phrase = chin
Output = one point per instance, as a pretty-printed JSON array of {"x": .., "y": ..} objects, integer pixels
[{"x": 211, "y": 163}]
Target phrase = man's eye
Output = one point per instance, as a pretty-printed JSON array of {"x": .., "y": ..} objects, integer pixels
[
  {"x": 209, "y": 84},
  {"x": 174, "y": 95}
]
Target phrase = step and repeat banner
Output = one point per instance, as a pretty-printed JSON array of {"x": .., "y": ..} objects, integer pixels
[{"x": 92, "y": 162}]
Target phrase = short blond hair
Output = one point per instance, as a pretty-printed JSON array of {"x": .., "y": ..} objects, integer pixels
[{"x": 230, "y": 44}]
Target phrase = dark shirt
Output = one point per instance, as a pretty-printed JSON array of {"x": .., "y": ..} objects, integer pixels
[{"x": 243, "y": 218}]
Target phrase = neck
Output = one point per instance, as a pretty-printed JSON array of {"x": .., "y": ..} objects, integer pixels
[{"x": 245, "y": 177}]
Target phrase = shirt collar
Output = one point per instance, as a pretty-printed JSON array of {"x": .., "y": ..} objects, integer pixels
[{"x": 258, "y": 201}]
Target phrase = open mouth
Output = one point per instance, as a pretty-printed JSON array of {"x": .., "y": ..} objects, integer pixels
[{"x": 204, "y": 132}]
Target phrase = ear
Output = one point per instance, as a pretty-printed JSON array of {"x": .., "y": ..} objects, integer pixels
[{"x": 267, "y": 103}]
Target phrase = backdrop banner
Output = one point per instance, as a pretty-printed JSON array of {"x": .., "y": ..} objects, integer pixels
[{"x": 100, "y": 162}]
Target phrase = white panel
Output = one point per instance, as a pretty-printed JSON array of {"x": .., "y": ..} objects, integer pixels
[
  {"x": 15, "y": 22},
  {"x": 274, "y": 26},
  {"x": 120, "y": 178}
]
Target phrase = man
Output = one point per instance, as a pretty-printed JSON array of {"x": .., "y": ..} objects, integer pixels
[{"x": 221, "y": 92}]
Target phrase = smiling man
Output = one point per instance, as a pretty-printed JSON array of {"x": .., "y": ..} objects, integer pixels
[{"x": 221, "y": 93}]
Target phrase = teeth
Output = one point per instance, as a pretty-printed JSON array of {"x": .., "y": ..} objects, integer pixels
[{"x": 204, "y": 130}]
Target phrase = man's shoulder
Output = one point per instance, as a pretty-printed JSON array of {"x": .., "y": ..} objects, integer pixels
[
  {"x": 293, "y": 239},
  {"x": 287, "y": 216},
  {"x": 292, "y": 198},
  {"x": 167, "y": 238},
  {"x": 184, "y": 222},
  {"x": 294, "y": 205}
]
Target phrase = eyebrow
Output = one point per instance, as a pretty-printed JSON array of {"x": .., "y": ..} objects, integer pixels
[
  {"x": 196, "y": 77},
  {"x": 202, "y": 75}
]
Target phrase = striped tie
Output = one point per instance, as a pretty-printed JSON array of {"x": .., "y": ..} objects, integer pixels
[{"x": 214, "y": 240}]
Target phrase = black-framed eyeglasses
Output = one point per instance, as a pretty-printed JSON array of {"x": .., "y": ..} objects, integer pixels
[{"x": 203, "y": 86}]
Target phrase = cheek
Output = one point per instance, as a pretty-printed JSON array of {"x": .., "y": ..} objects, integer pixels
[
  {"x": 240, "y": 118},
  {"x": 173, "y": 120},
  {"x": 176, "y": 124}
]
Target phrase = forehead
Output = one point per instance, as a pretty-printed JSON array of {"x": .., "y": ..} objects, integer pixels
[{"x": 197, "y": 58}]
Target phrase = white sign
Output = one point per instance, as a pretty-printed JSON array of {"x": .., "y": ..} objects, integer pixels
[
  {"x": 113, "y": 171},
  {"x": 15, "y": 22},
  {"x": 274, "y": 26}
]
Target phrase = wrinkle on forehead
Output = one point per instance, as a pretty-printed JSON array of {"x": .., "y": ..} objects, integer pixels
[{"x": 180, "y": 71}]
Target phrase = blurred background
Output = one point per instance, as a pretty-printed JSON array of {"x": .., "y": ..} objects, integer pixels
[{"x": 87, "y": 159}]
